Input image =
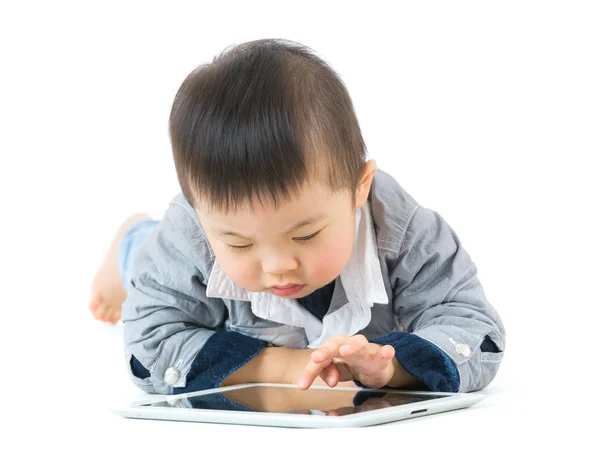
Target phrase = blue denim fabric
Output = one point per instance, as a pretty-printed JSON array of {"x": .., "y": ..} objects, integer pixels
[
  {"x": 129, "y": 244},
  {"x": 138, "y": 369},
  {"x": 423, "y": 360},
  {"x": 224, "y": 353},
  {"x": 489, "y": 346}
]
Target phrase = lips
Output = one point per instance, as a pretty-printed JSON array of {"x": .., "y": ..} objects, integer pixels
[
  {"x": 287, "y": 286},
  {"x": 287, "y": 290}
]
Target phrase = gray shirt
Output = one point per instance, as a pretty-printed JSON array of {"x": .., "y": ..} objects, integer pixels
[{"x": 408, "y": 271}]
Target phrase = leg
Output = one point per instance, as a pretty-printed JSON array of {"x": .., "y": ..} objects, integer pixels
[{"x": 108, "y": 292}]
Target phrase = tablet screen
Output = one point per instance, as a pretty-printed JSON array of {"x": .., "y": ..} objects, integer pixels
[{"x": 272, "y": 399}]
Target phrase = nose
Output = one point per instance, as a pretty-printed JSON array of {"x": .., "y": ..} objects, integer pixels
[{"x": 278, "y": 263}]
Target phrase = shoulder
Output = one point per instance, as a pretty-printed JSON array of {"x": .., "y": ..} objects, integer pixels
[
  {"x": 393, "y": 210},
  {"x": 402, "y": 224},
  {"x": 179, "y": 241}
]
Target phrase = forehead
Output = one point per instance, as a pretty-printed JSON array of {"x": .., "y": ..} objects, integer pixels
[{"x": 311, "y": 200}]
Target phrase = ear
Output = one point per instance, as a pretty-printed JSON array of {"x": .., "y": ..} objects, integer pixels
[{"x": 364, "y": 185}]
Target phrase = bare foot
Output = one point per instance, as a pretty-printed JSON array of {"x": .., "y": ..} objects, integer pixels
[{"x": 108, "y": 292}]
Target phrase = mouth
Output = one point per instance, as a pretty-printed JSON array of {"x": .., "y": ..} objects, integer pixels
[
  {"x": 287, "y": 286},
  {"x": 287, "y": 290}
]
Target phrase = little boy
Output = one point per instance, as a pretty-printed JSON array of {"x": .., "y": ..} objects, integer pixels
[{"x": 288, "y": 257}]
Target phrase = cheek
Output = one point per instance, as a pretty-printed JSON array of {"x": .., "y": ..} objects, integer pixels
[
  {"x": 331, "y": 260},
  {"x": 239, "y": 269},
  {"x": 327, "y": 262}
]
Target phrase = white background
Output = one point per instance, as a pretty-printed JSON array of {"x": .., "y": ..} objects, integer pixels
[{"x": 487, "y": 112}]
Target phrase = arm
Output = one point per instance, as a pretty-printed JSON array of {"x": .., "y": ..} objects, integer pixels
[
  {"x": 271, "y": 365},
  {"x": 276, "y": 365},
  {"x": 402, "y": 379},
  {"x": 441, "y": 303}
]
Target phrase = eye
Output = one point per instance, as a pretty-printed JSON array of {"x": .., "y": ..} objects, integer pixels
[
  {"x": 306, "y": 238},
  {"x": 238, "y": 247}
]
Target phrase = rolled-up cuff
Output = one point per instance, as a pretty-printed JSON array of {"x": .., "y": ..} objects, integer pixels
[
  {"x": 423, "y": 360},
  {"x": 223, "y": 354}
]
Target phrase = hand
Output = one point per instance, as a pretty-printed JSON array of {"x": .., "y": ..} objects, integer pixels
[{"x": 344, "y": 358}]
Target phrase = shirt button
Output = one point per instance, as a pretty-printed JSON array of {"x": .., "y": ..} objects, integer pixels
[
  {"x": 463, "y": 350},
  {"x": 172, "y": 375}
]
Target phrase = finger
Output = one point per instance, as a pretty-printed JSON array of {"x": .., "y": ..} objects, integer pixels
[
  {"x": 328, "y": 350},
  {"x": 310, "y": 372},
  {"x": 330, "y": 375},
  {"x": 355, "y": 345},
  {"x": 387, "y": 352},
  {"x": 378, "y": 360},
  {"x": 363, "y": 352},
  {"x": 370, "y": 362}
]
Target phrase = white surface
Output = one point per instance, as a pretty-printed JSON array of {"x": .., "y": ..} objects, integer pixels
[
  {"x": 485, "y": 111},
  {"x": 185, "y": 412}
]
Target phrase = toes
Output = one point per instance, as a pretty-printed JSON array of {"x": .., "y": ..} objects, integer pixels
[
  {"x": 114, "y": 315},
  {"x": 95, "y": 303},
  {"x": 101, "y": 311}
]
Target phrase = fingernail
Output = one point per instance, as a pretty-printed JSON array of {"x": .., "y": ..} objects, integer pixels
[{"x": 302, "y": 382}]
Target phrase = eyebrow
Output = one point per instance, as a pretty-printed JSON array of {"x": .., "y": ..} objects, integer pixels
[{"x": 307, "y": 222}]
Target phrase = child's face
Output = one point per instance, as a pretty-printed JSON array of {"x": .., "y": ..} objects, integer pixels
[{"x": 290, "y": 251}]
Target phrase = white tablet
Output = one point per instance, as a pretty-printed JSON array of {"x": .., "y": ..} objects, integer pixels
[{"x": 287, "y": 406}]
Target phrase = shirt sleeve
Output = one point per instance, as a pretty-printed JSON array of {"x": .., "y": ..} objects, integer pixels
[{"x": 438, "y": 298}]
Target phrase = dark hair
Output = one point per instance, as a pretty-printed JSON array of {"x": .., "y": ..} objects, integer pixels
[{"x": 259, "y": 121}]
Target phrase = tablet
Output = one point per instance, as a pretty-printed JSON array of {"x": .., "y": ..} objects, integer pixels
[{"x": 287, "y": 406}]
